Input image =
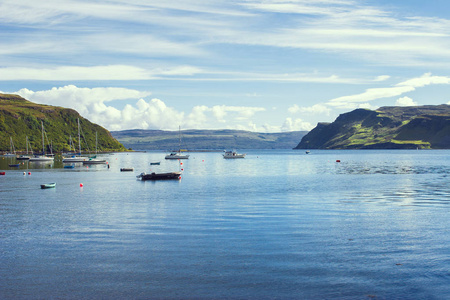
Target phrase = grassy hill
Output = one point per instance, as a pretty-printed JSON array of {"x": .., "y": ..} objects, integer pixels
[
  {"x": 424, "y": 127},
  {"x": 20, "y": 118},
  {"x": 206, "y": 139}
]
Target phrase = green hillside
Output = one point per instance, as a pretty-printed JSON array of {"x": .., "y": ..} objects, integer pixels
[
  {"x": 423, "y": 127},
  {"x": 20, "y": 118}
]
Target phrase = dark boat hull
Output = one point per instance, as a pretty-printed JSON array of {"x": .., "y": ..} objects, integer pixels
[{"x": 160, "y": 176}]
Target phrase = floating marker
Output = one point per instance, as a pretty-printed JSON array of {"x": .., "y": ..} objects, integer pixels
[
  {"x": 24, "y": 173},
  {"x": 81, "y": 185},
  {"x": 29, "y": 173},
  {"x": 338, "y": 160}
]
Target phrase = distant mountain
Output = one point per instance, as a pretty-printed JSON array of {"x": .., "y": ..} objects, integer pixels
[
  {"x": 424, "y": 127},
  {"x": 206, "y": 139},
  {"x": 20, "y": 118}
]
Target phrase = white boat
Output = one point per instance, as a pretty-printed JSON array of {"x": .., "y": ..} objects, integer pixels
[
  {"x": 95, "y": 161},
  {"x": 43, "y": 157},
  {"x": 177, "y": 155},
  {"x": 12, "y": 151},
  {"x": 27, "y": 156},
  {"x": 233, "y": 154},
  {"x": 75, "y": 158}
]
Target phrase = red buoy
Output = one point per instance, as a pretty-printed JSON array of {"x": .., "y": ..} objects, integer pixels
[
  {"x": 29, "y": 173},
  {"x": 338, "y": 160},
  {"x": 81, "y": 185}
]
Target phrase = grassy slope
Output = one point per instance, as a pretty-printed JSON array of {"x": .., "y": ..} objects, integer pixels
[
  {"x": 20, "y": 118},
  {"x": 389, "y": 127}
]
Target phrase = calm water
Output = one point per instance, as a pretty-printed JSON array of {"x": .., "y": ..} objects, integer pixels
[{"x": 275, "y": 225}]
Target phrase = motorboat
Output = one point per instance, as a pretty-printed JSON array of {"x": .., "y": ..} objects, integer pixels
[
  {"x": 233, "y": 154},
  {"x": 159, "y": 176},
  {"x": 177, "y": 155}
]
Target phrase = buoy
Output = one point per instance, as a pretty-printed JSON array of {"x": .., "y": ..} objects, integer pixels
[
  {"x": 81, "y": 185},
  {"x": 181, "y": 163},
  {"x": 338, "y": 160},
  {"x": 29, "y": 173},
  {"x": 2, "y": 173},
  {"x": 182, "y": 169},
  {"x": 24, "y": 173}
]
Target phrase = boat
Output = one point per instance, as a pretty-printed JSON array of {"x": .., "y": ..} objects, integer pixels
[
  {"x": 12, "y": 151},
  {"x": 126, "y": 169},
  {"x": 75, "y": 158},
  {"x": 69, "y": 167},
  {"x": 155, "y": 163},
  {"x": 177, "y": 154},
  {"x": 14, "y": 165},
  {"x": 48, "y": 185},
  {"x": 233, "y": 154},
  {"x": 42, "y": 157},
  {"x": 159, "y": 176},
  {"x": 307, "y": 152},
  {"x": 27, "y": 156},
  {"x": 94, "y": 160}
]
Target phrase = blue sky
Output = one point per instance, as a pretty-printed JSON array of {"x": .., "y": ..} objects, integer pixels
[{"x": 267, "y": 66}]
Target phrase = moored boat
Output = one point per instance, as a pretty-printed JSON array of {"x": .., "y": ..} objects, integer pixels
[
  {"x": 233, "y": 154},
  {"x": 177, "y": 155},
  {"x": 159, "y": 176},
  {"x": 48, "y": 185},
  {"x": 43, "y": 157}
]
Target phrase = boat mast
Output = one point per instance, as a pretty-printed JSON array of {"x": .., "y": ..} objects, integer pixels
[
  {"x": 79, "y": 142},
  {"x": 43, "y": 151}
]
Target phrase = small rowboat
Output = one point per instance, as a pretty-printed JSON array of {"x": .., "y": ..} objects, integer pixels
[
  {"x": 48, "y": 185},
  {"x": 14, "y": 165},
  {"x": 126, "y": 169},
  {"x": 155, "y": 163}
]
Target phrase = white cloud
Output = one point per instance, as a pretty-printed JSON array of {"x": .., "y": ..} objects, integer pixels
[
  {"x": 154, "y": 114},
  {"x": 296, "y": 125},
  {"x": 424, "y": 80},
  {"x": 353, "y": 101},
  {"x": 369, "y": 95},
  {"x": 405, "y": 101},
  {"x": 112, "y": 72},
  {"x": 315, "y": 109},
  {"x": 382, "y": 78}
]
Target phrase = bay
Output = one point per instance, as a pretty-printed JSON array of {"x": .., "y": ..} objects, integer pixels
[{"x": 279, "y": 224}]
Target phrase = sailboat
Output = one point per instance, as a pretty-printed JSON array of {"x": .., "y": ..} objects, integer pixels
[
  {"x": 75, "y": 158},
  {"x": 12, "y": 151},
  {"x": 95, "y": 161},
  {"x": 27, "y": 156},
  {"x": 43, "y": 157},
  {"x": 178, "y": 155}
]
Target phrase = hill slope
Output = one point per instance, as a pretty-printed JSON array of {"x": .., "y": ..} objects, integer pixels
[
  {"x": 20, "y": 118},
  {"x": 425, "y": 127},
  {"x": 206, "y": 139}
]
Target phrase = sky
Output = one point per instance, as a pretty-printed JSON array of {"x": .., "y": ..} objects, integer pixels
[{"x": 264, "y": 66}]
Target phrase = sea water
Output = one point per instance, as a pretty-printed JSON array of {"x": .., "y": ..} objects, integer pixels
[{"x": 275, "y": 225}]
